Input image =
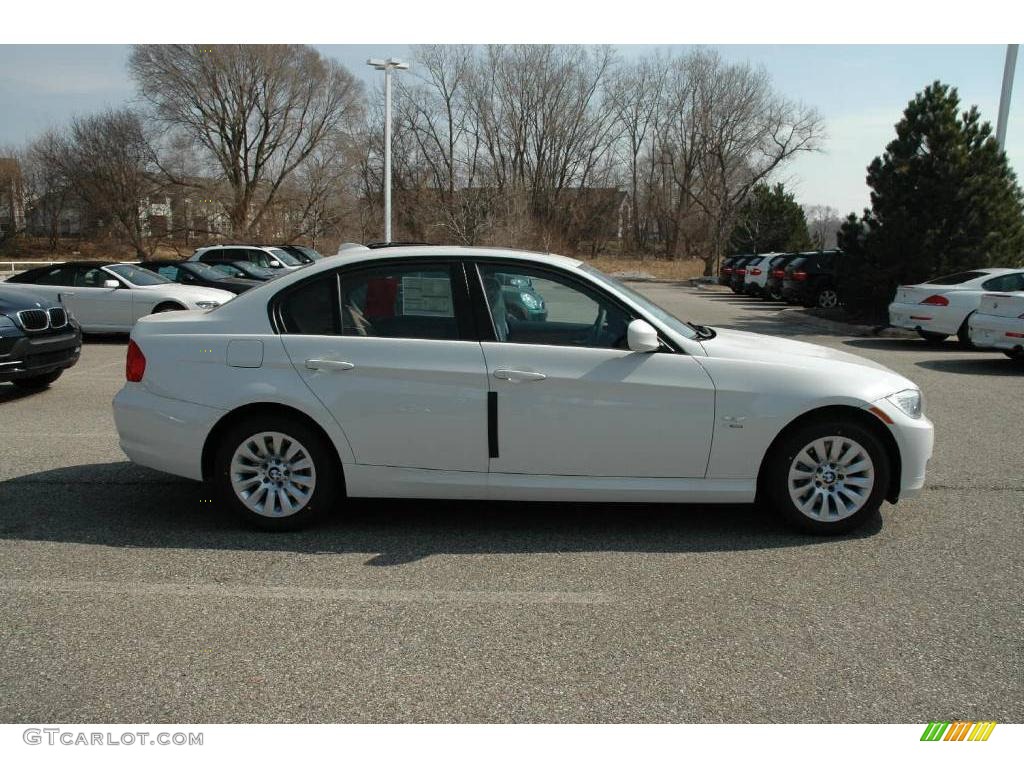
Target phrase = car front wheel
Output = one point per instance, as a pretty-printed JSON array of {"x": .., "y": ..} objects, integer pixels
[
  {"x": 276, "y": 472},
  {"x": 829, "y": 477}
]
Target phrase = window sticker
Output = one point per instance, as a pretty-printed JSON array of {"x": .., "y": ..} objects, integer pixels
[{"x": 427, "y": 296}]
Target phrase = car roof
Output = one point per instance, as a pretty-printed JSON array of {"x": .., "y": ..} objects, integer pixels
[{"x": 370, "y": 255}]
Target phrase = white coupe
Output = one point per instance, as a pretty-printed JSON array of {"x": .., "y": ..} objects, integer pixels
[
  {"x": 999, "y": 324},
  {"x": 108, "y": 297},
  {"x": 400, "y": 372},
  {"x": 944, "y": 306}
]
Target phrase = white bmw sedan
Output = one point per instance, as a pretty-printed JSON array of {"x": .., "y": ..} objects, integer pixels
[
  {"x": 108, "y": 297},
  {"x": 944, "y": 306},
  {"x": 999, "y": 324},
  {"x": 400, "y": 372}
]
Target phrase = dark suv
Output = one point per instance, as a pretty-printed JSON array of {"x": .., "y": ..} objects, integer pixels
[
  {"x": 739, "y": 272},
  {"x": 37, "y": 339},
  {"x": 776, "y": 274},
  {"x": 810, "y": 279},
  {"x": 725, "y": 270}
]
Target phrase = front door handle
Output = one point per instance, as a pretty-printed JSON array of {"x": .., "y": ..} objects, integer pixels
[
  {"x": 517, "y": 376},
  {"x": 329, "y": 365}
]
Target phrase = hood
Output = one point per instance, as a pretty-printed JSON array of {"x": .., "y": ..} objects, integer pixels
[
  {"x": 15, "y": 299},
  {"x": 189, "y": 292},
  {"x": 757, "y": 347}
]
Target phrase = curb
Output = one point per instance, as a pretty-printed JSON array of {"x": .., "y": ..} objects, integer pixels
[{"x": 847, "y": 329}]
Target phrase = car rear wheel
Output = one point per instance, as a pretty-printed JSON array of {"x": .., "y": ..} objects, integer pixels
[
  {"x": 775, "y": 295},
  {"x": 276, "y": 472},
  {"x": 931, "y": 336},
  {"x": 829, "y": 477},
  {"x": 828, "y": 298},
  {"x": 38, "y": 382}
]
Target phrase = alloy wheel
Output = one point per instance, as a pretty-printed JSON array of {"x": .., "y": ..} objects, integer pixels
[
  {"x": 831, "y": 478},
  {"x": 828, "y": 299},
  {"x": 273, "y": 474}
]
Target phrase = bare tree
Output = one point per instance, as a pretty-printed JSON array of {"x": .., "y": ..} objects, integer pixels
[
  {"x": 110, "y": 167},
  {"x": 257, "y": 112},
  {"x": 823, "y": 224}
]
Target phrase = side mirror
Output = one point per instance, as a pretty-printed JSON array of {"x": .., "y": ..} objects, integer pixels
[
  {"x": 276, "y": 264},
  {"x": 111, "y": 284},
  {"x": 641, "y": 337}
]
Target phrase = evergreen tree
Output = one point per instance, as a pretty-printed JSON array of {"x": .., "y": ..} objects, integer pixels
[
  {"x": 943, "y": 199},
  {"x": 770, "y": 220}
]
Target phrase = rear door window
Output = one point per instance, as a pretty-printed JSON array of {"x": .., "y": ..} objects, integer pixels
[
  {"x": 406, "y": 301},
  {"x": 1005, "y": 283}
]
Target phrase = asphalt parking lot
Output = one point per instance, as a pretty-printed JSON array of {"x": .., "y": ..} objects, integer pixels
[{"x": 127, "y": 596}]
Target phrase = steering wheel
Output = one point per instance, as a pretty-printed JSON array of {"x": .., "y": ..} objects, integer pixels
[{"x": 595, "y": 331}]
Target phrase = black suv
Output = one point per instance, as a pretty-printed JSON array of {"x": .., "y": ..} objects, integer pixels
[
  {"x": 37, "y": 340},
  {"x": 811, "y": 279},
  {"x": 776, "y": 274}
]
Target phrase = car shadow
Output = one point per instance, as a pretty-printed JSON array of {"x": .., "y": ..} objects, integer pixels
[
  {"x": 10, "y": 393},
  {"x": 903, "y": 345},
  {"x": 979, "y": 366},
  {"x": 123, "y": 505}
]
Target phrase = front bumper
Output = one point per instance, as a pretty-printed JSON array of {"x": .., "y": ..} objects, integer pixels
[
  {"x": 29, "y": 355},
  {"x": 915, "y": 439},
  {"x": 162, "y": 433},
  {"x": 994, "y": 332}
]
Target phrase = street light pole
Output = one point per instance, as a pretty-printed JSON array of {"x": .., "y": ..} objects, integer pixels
[
  {"x": 387, "y": 66},
  {"x": 1004, "y": 97}
]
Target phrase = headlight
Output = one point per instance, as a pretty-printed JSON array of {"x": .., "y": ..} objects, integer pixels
[
  {"x": 908, "y": 401},
  {"x": 6, "y": 322},
  {"x": 530, "y": 301},
  {"x": 207, "y": 304}
]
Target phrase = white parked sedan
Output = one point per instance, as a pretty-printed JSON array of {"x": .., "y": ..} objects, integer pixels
[
  {"x": 999, "y": 323},
  {"x": 943, "y": 306},
  {"x": 107, "y": 297},
  {"x": 400, "y": 372}
]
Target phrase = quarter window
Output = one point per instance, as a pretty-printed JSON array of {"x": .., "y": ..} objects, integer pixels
[
  {"x": 312, "y": 308},
  {"x": 529, "y": 306}
]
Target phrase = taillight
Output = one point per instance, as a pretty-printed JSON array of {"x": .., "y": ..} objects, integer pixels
[
  {"x": 135, "y": 364},
  {"x": 778, "y": 273},
  {"x": 741, "y": 271},
  {"x": 755, "y": 271},
  {"x": 938, "y": 300},
  {"x": 800, "y": 275},
  {"x": 727, "y": 270}
]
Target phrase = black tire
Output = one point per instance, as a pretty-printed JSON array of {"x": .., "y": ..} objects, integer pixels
[
  {"x": 38, "y": 382},
  {"x": 964, "y": 334},
  {"x": 167, "y": 306},
  {"x": 776, "y": 480},
  {"x": 327, "y": 471},
  {"x": 775, "y": 295},
  {"x": 931, "y": 336}
]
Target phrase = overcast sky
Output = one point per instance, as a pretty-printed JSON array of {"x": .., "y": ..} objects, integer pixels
[{"x": 860, "y": 90}]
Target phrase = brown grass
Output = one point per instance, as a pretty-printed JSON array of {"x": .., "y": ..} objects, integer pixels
[{"x": 662, "y": 269}]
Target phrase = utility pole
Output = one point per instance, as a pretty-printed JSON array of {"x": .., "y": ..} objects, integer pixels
[
  {"x": 387, "y": 66},
  {"x": 1004, "y": 97}
]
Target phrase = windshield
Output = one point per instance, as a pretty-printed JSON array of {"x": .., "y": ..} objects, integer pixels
[
  {"x": 138, "y": 275},
  {"x": 206, "y": 270},
  {"x": 684, "y": 329},
  {"x": 284, "y": 257}
]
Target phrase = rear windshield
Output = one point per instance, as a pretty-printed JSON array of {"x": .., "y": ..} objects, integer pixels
[
  {"x": 796, "y": 263},
  {"x": 959, "y": 277}
]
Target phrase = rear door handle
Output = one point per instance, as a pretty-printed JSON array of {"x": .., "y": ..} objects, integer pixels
[
  {"x": 508, "y": 374},
  {"x": 329, "y": 365}
]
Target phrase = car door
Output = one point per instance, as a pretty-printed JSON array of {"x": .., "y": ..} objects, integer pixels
[
  {"x": 390, "y": 351},
  {"x": 97, "y": 307},
  {"x": 570, "y": 398}
]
